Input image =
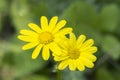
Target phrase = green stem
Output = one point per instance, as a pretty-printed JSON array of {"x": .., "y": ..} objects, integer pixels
[{"x": 59, "y": 75}]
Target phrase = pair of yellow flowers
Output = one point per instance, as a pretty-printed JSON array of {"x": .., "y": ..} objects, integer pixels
[{"x": 68, "y": 51}]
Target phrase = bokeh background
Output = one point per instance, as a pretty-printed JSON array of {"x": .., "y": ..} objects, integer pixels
[{"x": 97, "y": 19}]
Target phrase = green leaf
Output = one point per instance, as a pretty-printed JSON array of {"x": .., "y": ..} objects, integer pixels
[
  {"x": 108, "y": 19},
  {"x": 116, "y": 73},
  {"x": 20, "y": 14},
  {"x": 103, "y": 74},
  {"x": 90, "y": 32},
  {"x": 111, "y": 46},
  {"x": 21, "y": 61},
  {"x": 117, "y": 30},
  {"x": 36, "y": 77},
  {"x": 81, "y": 13},
  {"x": 0, "y": 22},
  {"x": 72, "y": 75},
  {"x": 39, "y": 8},
  {"x": 24, "y": 64},
  {"x": 3, "y": 6},
  {"x": 1, "y": 52},
  {"x": 57, "y": 6},
  {"x": 82, "y": 17}
]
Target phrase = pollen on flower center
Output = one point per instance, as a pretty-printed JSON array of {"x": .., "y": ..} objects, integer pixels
[
  {"x": 74, "y": 54},
  {"x": 45, "y": 37}
]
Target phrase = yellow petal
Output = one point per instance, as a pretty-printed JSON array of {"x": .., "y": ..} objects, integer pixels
[
  {"x": 91, "y": 50},
  {"x": 64, "y": 44},
  {"x": 80, "y": 40},
  {"x": 80, "y": 65},
  {"x": 36, "y": 51},
  {"x": 59, "y": 26},
  {"x": 72, "y": 65},
  {"x": 64, "y": 31},
  {"x": 54, "y": 48},
  {"x": 90, "y": 57},
  {"x": 60, "y": 58},
  {"x": 27, "y": 38},
  {"x": 45, "y": 53},
  {"x": 62, "y": 41},
  {"x": 72, "y": 38},
  {"x": 87, "y": 44},
  {"x": 63, "y": 65},
  {"x": 52, "y": 23},
  {"x": 29, "y": 45},
  {"x": 44, "y": 23},
  {"x": 87, "y": 62},
  {"x": 29, "y": 33},
  {"x": 35, "y": 27},
  {"x": 64, "y": 53}
]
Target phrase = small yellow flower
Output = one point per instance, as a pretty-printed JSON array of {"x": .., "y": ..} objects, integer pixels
[
  {"x": 76, "y": 53},
  {"x": 44, "y": 38}
]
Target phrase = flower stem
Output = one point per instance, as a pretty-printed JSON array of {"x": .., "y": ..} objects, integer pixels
[{"x": 59, "y": 75}]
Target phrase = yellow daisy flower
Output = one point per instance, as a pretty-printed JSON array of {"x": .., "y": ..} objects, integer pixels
[
  {"x": 44, "y": 38},
  {"x": 76, "y": 53}
]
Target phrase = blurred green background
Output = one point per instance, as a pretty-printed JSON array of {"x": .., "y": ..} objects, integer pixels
[{"x": 97, "y": 19}]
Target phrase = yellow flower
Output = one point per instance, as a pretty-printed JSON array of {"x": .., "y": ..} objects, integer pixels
[
  {"x": 44, "y": 38},
  {"x": 76, "y": 53}
]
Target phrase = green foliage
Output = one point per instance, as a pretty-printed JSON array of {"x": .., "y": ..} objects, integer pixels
[
  {"x": 111, "y": 46},
  {"x": 25, "y": 65},
  {"x": 75, "y": 75},
  {"x": 20, "y": 60},
  {"x": 107, "y": 74},
  {"x": 39, "y": 9},
  {"x": 2, "y": 5},
  {"x": 83, "y": 17},
  {"x": 108, "y": 1},
  {"x": 80, "y": 13},
  {"x": 104, "y": 74},
  {"x": 2, "y": 11},
  {"x": 20, "y": 13},
  {"x": 108, "y": 18},
  {"x": 36, "y": 77}
]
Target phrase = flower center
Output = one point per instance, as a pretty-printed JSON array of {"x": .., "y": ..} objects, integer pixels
[
  {"x": 45, "y": 37},
  {"x": 74, "y": 54}
]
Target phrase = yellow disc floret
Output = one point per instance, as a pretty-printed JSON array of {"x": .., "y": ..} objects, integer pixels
[
  {"x": 74, "y": 54},
  {"x": 45, "y": 37}
]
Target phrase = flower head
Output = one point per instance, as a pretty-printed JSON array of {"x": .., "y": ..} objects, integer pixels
[
  {"x": 77, "y": 54},
  {"x": 44, "y": 38}
]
